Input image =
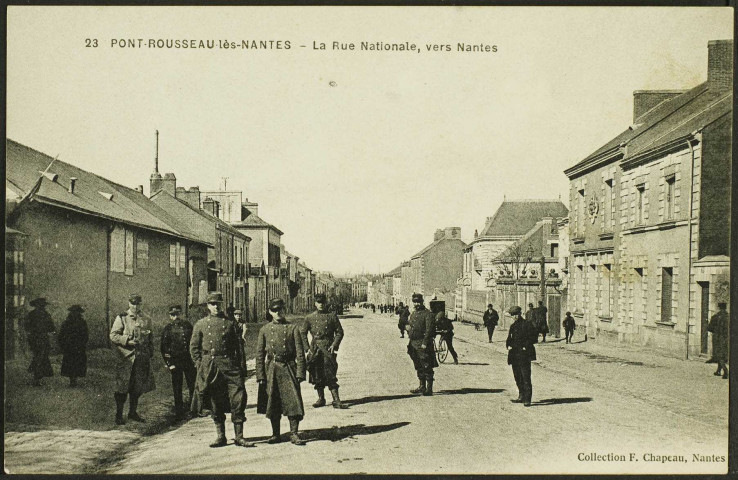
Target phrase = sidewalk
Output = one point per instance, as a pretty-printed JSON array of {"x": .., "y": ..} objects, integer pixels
[{"x": 683, "y": 387}]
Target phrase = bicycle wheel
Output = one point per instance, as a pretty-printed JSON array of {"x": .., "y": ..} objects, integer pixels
[{"x": 442, "y": 351}]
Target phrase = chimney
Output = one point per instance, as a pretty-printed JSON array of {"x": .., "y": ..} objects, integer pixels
[
  {"x": 720, "y": 65},
  {"x": 140, "y": 189},
  {"x": 169, "y": 184},
  {"x": 438, "y": 235},
  {"x": 452, "y": 232},
  {"x": 645, "y": 100},
  {"x": 191, "y": 196},
  {"x": 252, "y": 207},
  {"x": 72, "y": 181},
  {"x": 211, "y": 206},
  {"x": 155, "y": 179}
]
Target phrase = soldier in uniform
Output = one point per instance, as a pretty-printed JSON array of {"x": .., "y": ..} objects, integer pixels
[
  {"x": 175, "y": 350},
  {"x": 131, "y": 336},
  {"x": 280, "y": 367},
  {"x": 327, "y": 333},
  {"x": 520, "y": 339},
  {"x": 404, "y": 314},
  {"x": 420, "y": 348},
  {"x": 216, "y": 350},
  {"x": 720, "y": 327},
  {"x": 39, "y": 325},
  {"x": 491, "y": 318}
]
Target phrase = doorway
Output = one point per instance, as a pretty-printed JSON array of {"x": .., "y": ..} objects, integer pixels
[{"x": 704, "y": 315}]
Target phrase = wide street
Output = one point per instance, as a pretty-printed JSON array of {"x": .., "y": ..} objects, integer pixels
[{"x": 578, "y": 423}]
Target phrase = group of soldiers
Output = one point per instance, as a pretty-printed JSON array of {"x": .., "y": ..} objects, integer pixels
[{"x": 212, "y": 359}]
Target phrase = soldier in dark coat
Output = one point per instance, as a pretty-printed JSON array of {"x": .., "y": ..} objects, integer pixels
[
  {"x": 327, "y": 333},
  {"x": 541, "y": 316},
  {"x": 720, "y": 327},
  {"x": 569, "y": 326},
  {"x": 175, "y": 350},
  {"x": 445, "y": 328},
  {"x": 280, "y": 367},
  {"x": 133, "y": 342},
  {"x": 491, "y": 319},
  {"x": 421, "y": 331},
  {"x": 38, "y": 326},
  {"x": 216, "y": 350},
  {"x": 520, "y": 339},
  {"x": 73, "y": 337},
  {"x": 403, "y": 322}
]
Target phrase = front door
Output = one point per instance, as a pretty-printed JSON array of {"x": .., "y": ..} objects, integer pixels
[{"x": 704, "y": 315}]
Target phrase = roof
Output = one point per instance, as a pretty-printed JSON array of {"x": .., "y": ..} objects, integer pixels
[
  {"x": 255, "y": 221},
  {"x": 440, "y": 240},
  {"x": 93, "y": 195},
  {"x": 395, "y": 271},
  {"x": 668, "y": 121},
  {"x": 516, "y": 217},
  {"x": 533, "y": 239},
  {"x": 200, "y": 222}
]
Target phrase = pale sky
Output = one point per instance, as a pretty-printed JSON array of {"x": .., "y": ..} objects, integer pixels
[{"x": 357, "y": 156}]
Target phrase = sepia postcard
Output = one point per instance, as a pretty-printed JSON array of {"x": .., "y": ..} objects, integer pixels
[{"x": 368, "y": 240}]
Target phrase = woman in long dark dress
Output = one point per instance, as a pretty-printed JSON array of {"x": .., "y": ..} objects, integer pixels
[
  {"x": 73, "y": 337},
  {"x": 39, "y": 325}
]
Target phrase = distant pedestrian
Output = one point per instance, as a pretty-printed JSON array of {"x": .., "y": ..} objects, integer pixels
[
  {"x": 569, "y": 326},
  {"x": 242, "y": 329},
  {"x": 280, "y": 368},
  {"x": 38, "y": 326},
  {"x": 530, "y": 315},
  {"x": 420, "y": 348},
  {"x": 720, "y": 327},
  {"x": 73, "y": 337},
  {"x": 541, "y": 316},
  {"x": 175, "y": 350},
  {"x": 404, "y": 313},
  {"x": 374, "y": 308},
  {"x": 131, "y": 336},
  {"x": 491, "y": 319},
  {"x": 520, "y": 339},
  {"x": 322, "y": 365},
  {"x": 216, "y": 350},
  {"x": 445, "y": 329}
]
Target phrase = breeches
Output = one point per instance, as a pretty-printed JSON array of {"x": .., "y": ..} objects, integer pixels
[
  {"x": 228, "y": 390},
  {"x": 423, "y": 362},
  {"x": 188, "y": 372}
]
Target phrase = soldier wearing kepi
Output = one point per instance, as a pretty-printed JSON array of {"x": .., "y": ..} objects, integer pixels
[
  {"x": 216, "y": 350},
  {"x": 520, "y": 339},
  {"x": 280, "y": 367},
  {"x": 132, "y": 338},
  {"x": 327, "y": 333},
  {"x": 421, "y": 332},
  {"x": 175, "y": 350}
]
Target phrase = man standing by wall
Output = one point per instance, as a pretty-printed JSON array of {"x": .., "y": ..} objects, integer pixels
[
  {"x": 216, "y": 351},
  {"x": 327, "y": 333},
  {"x": 131, "y": 336},
  {"x": 720, "y": 328},
  {"x": 491, "y": 318},
  {"x": 421, "y": 351},
  {"x": 175, "y": 350}
]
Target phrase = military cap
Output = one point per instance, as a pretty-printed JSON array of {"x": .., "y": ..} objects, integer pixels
[
  {"x": 417, "y": 297},
  {"x": 175, "y": 310},
  {"x": 38, "y": 302},
  {"x": 276, "y": 304},
  {"x": 320, "y": 298},
  {"x": 238, "y": 311},
  {"x": 215, "y": 297},
  {"x": 489, "y": 305},
  {"x": 134, "y": 299},
  {"x": 514, "y": 310},
  {"x": 76, "y": 308}
]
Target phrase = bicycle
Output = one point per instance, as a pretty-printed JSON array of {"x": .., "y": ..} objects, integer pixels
[{"x": 440, "y": 346}]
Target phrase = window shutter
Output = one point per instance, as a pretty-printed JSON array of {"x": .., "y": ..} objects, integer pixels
[
  {"x": 117, "y": 250},
  {"x": 172, "y": 256},
  {"x": 129, "y": 252},
  {"x": 182, "y": 258},
  {"x": 142, "y": 252}
]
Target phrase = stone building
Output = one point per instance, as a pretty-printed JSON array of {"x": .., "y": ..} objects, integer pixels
[
  {"x": 435, "y": 269},
  {"x": 650, "y": 220}
]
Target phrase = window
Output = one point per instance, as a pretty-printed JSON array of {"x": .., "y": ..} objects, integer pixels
[
  {"x": 669, "y": 207},
  {"x": 121, "y": 250},
  {"x": 554, "y": 250},
  {"x": 607, "y": 206},
  {"x": 640, "y": 203},
  {"x": 606, "y": 286},
  {"x": 667, "y": 279},
  {"x": 177, "y": 257},
  {"x": 142, "y": 253}
]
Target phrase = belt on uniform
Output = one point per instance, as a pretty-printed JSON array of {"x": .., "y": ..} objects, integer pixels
[
  {"x": 215, "y": 354},
  {"x": 279, "y": 358}
]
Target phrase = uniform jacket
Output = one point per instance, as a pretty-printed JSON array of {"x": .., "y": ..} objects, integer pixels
[
  {"x": 127, "y": 327},
  {"x": 491, "y": 318},
  {"x": 325, "y": 329},
  {"x": 72, "y": 338},
  {"x": 216, "y": 350},
  {"x": 520, "y": 339},
  {"x": 280, "y": 362},
  {"x": 175, "y": 343},
  {"x": 422, "y": 328},
  {"x": 404, "y": 314}
]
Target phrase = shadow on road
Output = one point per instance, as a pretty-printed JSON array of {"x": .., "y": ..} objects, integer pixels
[
  {"x": 335, "y": 434},
  {"x": 376, "y": 398},
  {"x": 472, "y": 363},
  {"x": 552, "y": 341},
  {"x": 558, "y": 401},
  {"x": 464, "y": 391}
]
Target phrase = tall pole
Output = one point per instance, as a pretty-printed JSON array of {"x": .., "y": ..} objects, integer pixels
[{"x": 156, "y": 157}]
